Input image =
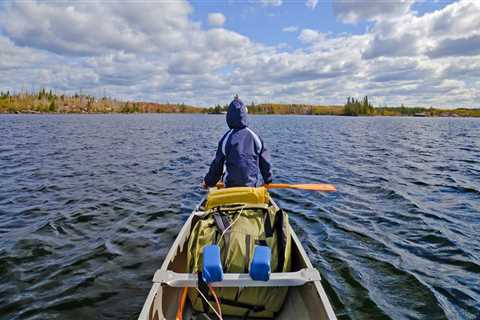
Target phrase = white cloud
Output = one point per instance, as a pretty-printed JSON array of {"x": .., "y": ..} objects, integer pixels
[
  {"x": 311, "y": 3},
  {"x": 216, "y": 19},
  {"x": 352, "y": 11},
  {"x": 452, "y": 31},
  {"x": 14, "y": 57},
  {"x": 290, "y": 29},
  {"x": 92, "y": 27},
  {"x": 463, "y": 46},
  {"x": 309, "y": 35},
  {"x": 273, "y": 3},
  {"x": 401, "y": 45}
]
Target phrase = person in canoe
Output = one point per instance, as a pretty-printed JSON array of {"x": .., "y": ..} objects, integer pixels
[{"x": 241, "y": 152}]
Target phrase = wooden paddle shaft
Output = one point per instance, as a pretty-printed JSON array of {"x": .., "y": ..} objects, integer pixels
[
  {"x": 324, "y": 187},
  {"x": 304, "y": 186}
]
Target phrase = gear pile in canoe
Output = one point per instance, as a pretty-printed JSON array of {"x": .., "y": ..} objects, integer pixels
[{"x": 237, "y": 257}]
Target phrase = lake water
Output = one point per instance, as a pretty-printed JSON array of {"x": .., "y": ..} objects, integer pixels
[{"x": 90, "y": 204}]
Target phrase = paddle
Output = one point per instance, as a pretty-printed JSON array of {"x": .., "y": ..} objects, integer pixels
[{"x": 304, "y": 186}]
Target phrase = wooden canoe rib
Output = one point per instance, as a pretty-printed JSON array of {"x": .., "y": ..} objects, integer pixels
[{"x": 306, "y": 297}]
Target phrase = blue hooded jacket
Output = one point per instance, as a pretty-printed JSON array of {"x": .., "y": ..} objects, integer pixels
[{"x": 241, "y": 151}]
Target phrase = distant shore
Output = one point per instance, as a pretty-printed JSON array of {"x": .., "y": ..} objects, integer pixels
[
  {"x": 48, "y": 102},
  {"x": 443, "y": 115}
]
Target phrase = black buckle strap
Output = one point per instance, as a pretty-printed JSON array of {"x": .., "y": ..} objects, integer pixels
[
  {"x": 203, "y": 288},
  {"x": 282, "y": 240},
  {"x": 222, "y": 222},
  {"x": 248, "y": 240},
  {"x": 250, "y": 307},
  {"x": 267, "y": 225}
]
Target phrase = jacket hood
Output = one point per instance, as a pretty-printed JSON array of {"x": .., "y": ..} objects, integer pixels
[{"x": 237, "y": 115}]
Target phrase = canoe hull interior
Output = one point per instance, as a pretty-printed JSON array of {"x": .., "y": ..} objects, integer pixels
[{"x": 308, "y": 301}]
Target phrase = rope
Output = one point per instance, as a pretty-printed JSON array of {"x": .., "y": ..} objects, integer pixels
[
  {"x": 216, "y": 300},
  {"x": 236, "y": 219},
  {"x": 181, "y": 304},
  {"x": 218, "y": 314}
]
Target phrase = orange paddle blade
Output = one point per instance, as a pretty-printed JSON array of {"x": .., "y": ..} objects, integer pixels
[{"x": 324, "y": 187}]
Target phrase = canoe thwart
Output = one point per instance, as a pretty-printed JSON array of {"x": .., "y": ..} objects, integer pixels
[{"x": 283, "y": 279}]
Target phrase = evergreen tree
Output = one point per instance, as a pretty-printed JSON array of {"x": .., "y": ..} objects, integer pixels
[{"x": 52, "y": 106}]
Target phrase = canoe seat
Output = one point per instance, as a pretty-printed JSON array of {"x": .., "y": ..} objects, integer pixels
[{"x": 235, "y": 280}]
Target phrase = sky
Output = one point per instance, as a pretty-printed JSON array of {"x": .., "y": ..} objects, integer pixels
[{"x": 412, "y": 52}]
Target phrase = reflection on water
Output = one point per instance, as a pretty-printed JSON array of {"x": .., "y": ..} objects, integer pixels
[{"x": 90, "y": 204}]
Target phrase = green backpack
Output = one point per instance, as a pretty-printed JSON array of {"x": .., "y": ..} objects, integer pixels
[{"x": 252, "y": 224}]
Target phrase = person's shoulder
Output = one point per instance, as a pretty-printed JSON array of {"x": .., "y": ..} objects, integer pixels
[
  {"x": 251, "y": 132},
  {"x": 255, "y": 137},
  {"x": 226, "y": 134}
]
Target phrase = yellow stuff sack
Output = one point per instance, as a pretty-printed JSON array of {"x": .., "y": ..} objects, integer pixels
[{"x": 236, "y": 195}]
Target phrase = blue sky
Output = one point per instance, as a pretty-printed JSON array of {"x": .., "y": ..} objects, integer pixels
[
  {"x": 412, "y": 52},
  {"x": 264, "y": 23}
]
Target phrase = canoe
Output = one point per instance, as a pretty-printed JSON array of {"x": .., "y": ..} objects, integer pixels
[{"x": 306, "y": 298}]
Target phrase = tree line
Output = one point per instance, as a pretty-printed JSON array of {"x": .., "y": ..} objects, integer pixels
[
  {"x": 47, "y": 101},
  {"x": 277, "y": 108}
]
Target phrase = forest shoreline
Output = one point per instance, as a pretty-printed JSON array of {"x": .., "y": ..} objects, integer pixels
[{"x": 48, "y": 102}]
